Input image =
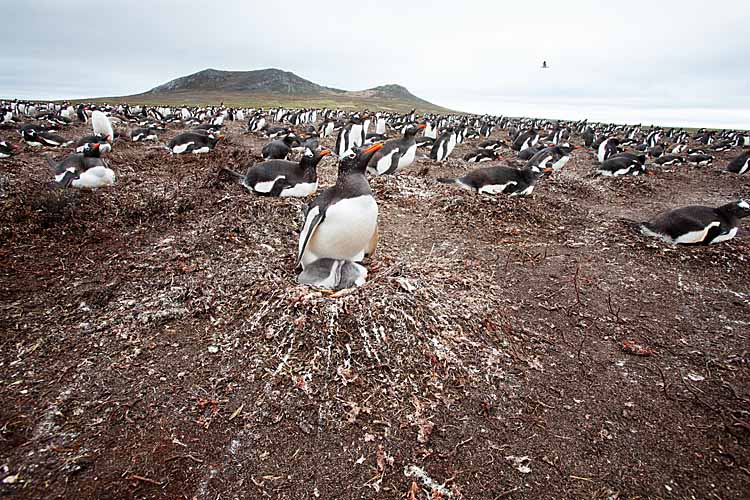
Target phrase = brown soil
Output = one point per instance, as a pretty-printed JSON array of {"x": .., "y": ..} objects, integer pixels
[{"x": 155, "y": 343}]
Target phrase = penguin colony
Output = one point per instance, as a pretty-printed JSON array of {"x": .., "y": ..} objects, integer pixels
[{"x": 340, "y": 226}]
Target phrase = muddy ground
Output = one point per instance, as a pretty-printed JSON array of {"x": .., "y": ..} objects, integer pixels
[{"x": 155, "y": 343}]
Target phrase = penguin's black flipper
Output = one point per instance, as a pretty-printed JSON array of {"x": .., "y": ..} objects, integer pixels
[{"x": 313, "y": 218}]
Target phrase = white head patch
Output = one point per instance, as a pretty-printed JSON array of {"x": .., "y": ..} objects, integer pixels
[
  {"x": 308, "y": 152},
  {"x": 743, "y": 204}
]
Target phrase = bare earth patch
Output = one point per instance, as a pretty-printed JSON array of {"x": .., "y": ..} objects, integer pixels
[{"x": 155, "y": 343}]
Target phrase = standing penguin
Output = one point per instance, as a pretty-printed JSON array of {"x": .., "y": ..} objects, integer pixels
[
  {"x": 697, "y": 225},
  {"x": 278, "y": 150},
  {"x": 349, "y": 136},
  {"x": 607, "y": 148},
  {"x": 397, "y": 154},
  {"x": 444, "y": 145},
  {"x": 741, "y": 164},
  {"x": 341, "y": 227},
  {"x": 525, "y": 140}
]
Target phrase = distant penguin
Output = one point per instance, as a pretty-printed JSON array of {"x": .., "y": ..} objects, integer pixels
[
  {"x": 444, "y": 145},
  {"x": 697, "y": 225},
  {"x": 37, "y": 139},
  {"x": 607, "y": 148},
  {"x": 623, "y": 164},
  {"x": 588, "y": 137},
  {"x": 700, "y": 159},
  {"x": 741, "y": 164},
  {"x": 192, "y": 142},
  {"x": 397, "y": 154},
  {"x": 493, "y": 144},
  {"x": 349, "y": 136},
  {"x": 525, "y": 140},
  {"x": 341, "y": 224},
  {"x": 554, "y": 157},
  {"x": 667, "y": 160},
  {"x": 278, "y": 150},
  {"x": 481, "y": 155},
  {"x": 283, "y": 178},
  {"x": 498, "y": 179},
  {"x": 7, "y": 150},
  {"x": 83, "y": 170},
  {"x": 143, "y": 134}
]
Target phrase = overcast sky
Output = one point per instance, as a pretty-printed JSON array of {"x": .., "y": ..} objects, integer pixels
[{"x": 667, "y": 62}]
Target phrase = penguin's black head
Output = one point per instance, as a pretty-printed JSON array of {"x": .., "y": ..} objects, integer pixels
[
  {"x": 739, "y": 208},
  {"x": 92, "y": 150},
  {"x": 312, "y": 157},
  {"x": 412, "y": 130},
  {"x": 356, "y": 159}
]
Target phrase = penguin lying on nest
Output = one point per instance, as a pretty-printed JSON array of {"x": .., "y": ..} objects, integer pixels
[
  {"x": 7, "y": 150},
  {"x": 341, "y": 227},
  {"x": 83, "y": 170},
  {"x": 741, "y": 164},
  {"x": 282, "y": 177},
  {"x": 697, "y": 225},
  {"x": 500, "y": 179}
]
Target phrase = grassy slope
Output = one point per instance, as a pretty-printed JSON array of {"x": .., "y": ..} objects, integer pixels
[{"x": 343, "y": 101}]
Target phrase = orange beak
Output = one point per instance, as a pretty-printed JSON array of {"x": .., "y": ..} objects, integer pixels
[
  {"x": 221, "y": 136},
  {"x": 422, "y": 126},
  {"x": 325, "y": 152},
  {"x": 96, "y": 145},
  {"x": 374, "y": 147},
  {"x": 548, "y": 170}
]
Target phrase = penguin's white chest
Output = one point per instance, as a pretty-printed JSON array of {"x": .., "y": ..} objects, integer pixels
[
  {"x": 300, "y": 189},
  {"x": 346, "y": 231},
  {"x": 95, "y": 177},
  {"x": 408, "y": 157}
]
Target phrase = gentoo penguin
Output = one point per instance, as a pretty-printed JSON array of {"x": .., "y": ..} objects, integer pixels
[
  {"x": 341, "y": 224},
  {"x": 499, "y": 179},
  {"x": 349, "y": 136},
  {"x": 525, "y": 140},
  {"x": 554, "y": 157},
  {"x": 493, "y": 144},
  {"x": 444, "y": 145},
  {"x": 607, "y": 148},
  {"x": 143, "y": 134},
  {"x": 396, "y": 154},
  {"x": 192, "y": 142},
  {"x": 739, "y": 165},
  {"x": 527, "y": 153},
  {"x": 83, "y": 170},
  {"x": 102, "y": 125},
  {"x": 278, "y": 150},
  {"x": 36, "y": 139},
  {"x": 93, "y": 139},
  {"x": 481, "y": 155},
  {"x": 623, "y": 164},
  {"x": 6, "y": 150},
  {"x": 697, "y": 225},
  {"x": 588, "y": 137},
  {"x": 700, "y": 159},
  {"x": 283, "y": 178},
  {"x": 668, "y": 159}
]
